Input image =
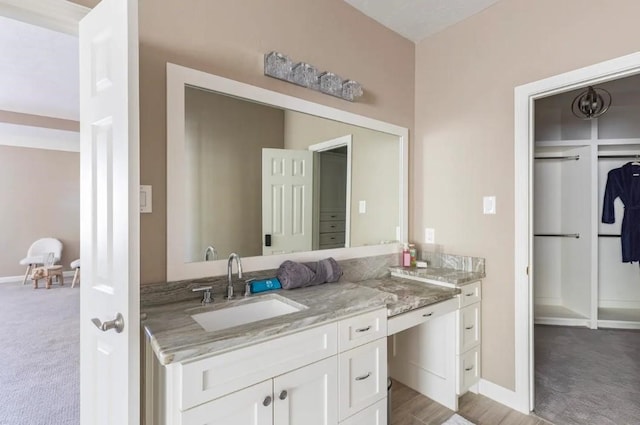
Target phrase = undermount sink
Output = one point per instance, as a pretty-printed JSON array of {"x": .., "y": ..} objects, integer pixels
[{"x": 246, "y": 312}]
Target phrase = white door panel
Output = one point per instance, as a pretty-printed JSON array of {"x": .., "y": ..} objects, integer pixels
[{"x": 109, "y": 245}]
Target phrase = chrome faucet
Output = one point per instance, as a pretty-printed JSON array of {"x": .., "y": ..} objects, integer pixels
[
  {"x": 233, "y": 256},
  {"x": 210, "y": 250}
]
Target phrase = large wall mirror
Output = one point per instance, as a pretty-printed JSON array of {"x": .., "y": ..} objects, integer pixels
[{"x": 273, "y": 177}]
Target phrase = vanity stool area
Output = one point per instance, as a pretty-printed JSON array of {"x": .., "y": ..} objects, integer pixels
[{"x": 325, "y": 364}]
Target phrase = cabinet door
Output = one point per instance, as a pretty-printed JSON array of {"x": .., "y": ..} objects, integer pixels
[
  {"x": 307, "y": 396},
  {"x": 251, "y": 405}
]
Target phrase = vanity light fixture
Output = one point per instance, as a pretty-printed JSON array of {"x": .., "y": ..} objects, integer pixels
[
  {"x": 591, "y": 103},
  {"x": 280, "y": 66}
]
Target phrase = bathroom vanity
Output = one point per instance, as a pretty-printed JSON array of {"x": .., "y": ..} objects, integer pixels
[{"x": 327, "y": 363}]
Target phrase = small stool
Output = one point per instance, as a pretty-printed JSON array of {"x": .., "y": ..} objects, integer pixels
[
  {"x": 47, "y": 273},
  {"x": 75, "y": 264}
]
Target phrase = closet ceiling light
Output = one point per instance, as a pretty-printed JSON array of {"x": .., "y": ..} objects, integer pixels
[{"x": 591, "y": 103}]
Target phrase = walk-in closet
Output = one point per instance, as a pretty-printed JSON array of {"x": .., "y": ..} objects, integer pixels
[{"x": 580, "y": 279}]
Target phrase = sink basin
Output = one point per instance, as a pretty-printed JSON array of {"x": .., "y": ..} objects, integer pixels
[{"x": 246, "y": 312}]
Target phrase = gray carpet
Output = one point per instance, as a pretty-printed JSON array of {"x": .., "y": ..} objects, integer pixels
[
  {"x": 39, "y": 348},
  {"x": 586, "y": 376}
]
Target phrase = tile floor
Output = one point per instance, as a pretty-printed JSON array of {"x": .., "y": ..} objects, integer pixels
[{"x": 412, "y": 408}]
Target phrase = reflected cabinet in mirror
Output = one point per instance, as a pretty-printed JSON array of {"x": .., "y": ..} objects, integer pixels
[{"x": 264, "y": 174}]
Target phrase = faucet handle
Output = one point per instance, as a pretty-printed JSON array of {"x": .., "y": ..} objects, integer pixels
[
  {"x": 247, "y": 286},
  {"x": 206, "y": 296}
]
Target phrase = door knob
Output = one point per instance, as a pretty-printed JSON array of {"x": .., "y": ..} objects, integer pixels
[
  {"x": 266, "y": 401},
  {"x": 283, "y": 395},
  {"x": 117, "y": 323}
]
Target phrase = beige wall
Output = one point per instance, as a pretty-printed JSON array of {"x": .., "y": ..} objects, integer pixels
[
  {"x": 463, "y": 149},
  {"x": 374, "y": 172},
  {"x": 230, "y": 39},
  {"x": 40, "y": 194},
  {"x": 224, "y": 139}
]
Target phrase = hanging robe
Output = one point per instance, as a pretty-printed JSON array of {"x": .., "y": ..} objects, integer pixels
[{"x": 624, "y": 183}]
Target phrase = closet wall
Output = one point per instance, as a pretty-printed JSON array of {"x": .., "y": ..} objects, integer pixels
[{"x": 579, "y": 277}]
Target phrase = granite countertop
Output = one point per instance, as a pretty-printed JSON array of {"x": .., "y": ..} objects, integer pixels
[
  {"x": 409, "y": 294},
  {"x": 445, "y": 276},
  {"x": 176, "y": 337}
]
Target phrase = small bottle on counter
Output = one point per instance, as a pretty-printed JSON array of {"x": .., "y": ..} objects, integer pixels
[
  {"x": 406, "y": 256},
  {"x": 412, "y": 255}
]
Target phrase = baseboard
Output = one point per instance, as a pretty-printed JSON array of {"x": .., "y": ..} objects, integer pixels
[
  {"x": 18, "y": 279},
  {"x": 502, "y": 395}
]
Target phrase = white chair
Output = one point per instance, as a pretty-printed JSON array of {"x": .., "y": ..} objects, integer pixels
[
  {"x": 38, "y": 252},
  {"x": 75, "y": 264}
]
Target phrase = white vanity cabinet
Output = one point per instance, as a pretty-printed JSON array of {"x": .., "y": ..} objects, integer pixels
[
  {"x": 436, "y": 349},
  {"x": 296, "y": 379},
  {"x": 468, "y": 337}
]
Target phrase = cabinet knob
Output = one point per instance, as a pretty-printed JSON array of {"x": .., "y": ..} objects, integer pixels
[
  {"x": 283, "y": 395},
  {"x": 469, "y": 327},
  {"x": 427, "y": 315},
  {"x": 363, "y": 329},
  {"x": 267, "y": 401},
  {"x": 469, "y": 369}
]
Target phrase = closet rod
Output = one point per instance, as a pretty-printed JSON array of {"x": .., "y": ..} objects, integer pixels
[
  {"x": 564, "y": 158},
  {"x": 559, "y": 235},
  {"x": 619, "y": 156},
  {"x": 607, "y": 235}
]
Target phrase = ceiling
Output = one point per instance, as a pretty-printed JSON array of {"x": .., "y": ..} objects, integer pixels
[
  {"x": 40, "y": 72},
  {"x": 417, "y": 19}
]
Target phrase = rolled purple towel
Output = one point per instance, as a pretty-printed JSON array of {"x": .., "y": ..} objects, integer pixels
[{"x": 298, "y": 275}]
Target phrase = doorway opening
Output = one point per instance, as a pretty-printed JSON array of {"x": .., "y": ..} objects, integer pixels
[{"x": 529, "y": 252}]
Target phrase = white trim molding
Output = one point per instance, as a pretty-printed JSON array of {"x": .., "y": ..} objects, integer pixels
[
  {"x": 501, "y": 395},
  {"x": 25, "y": 136},
  {"x": 18, "y": 279},
  {"x": 57, "y": 15},
  {"x": 525, "y": 96}
]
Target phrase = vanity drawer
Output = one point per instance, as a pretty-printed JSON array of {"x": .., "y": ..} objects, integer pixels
[
  {"x": 331, "y": 238},
  {"x": 332, "y": 226},
  {"x": 468, "y": 328},
  {"x": 468, "y": 370},
  {"x": 212, "y": 377},
  {"x": 372, "y": 415},
  {"x": 361, "y": 329},
  {"x": 332, "y": 216},
  {"x": 362, "y": 377},
  {"x": 471, "y": 293},
  {"x": 412, "y": 318}
]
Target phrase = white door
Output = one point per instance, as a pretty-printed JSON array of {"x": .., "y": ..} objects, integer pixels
[
  {"x": 287, "y": 198},
  {"x": 109, "y": 211},
  {"x": 307, "y": 396},
  {"x": 250, "y": 406}
]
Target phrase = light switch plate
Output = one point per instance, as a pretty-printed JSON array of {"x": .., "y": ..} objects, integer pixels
[
  {"x": 429, "y": 235},
  {"x": 362, "y": 207},
  {"x": 145, "y": 199},
  {"x": 489, "y": 204}
]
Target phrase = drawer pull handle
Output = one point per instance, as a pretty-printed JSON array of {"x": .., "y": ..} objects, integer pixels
[
  {"x": 468, "y": 369},
  {"x": 427, "y": 315},
  {"x": 470, "y": 294},
  {"x": 267, "y": 401},
  {"x": 363, "y": 377},
  {"x": 469, "y": 327},
  {"x": 283, "y": 395},
  {"x": 363, "y": 329}
]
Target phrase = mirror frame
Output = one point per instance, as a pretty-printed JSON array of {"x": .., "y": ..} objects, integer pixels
[{"x": 178, "y": 77}]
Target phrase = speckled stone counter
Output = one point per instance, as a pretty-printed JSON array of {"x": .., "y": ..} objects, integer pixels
[
  {"x": 409, "y": 294},
  {"x": 445, "y": 276},
  {"x": 175, "y": 336}
]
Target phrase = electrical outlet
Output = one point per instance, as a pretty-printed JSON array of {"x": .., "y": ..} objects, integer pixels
[{"x": 429, "y": 235}]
